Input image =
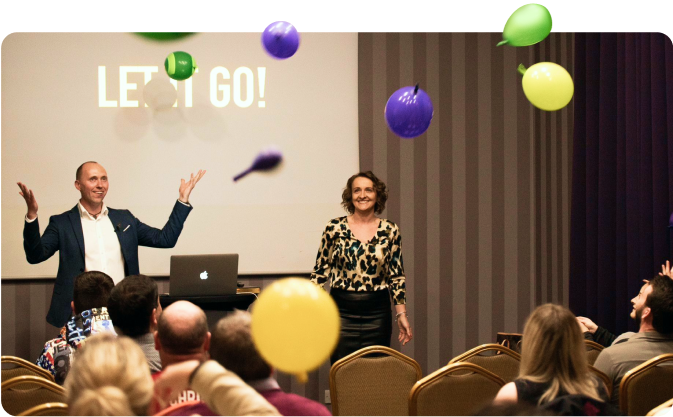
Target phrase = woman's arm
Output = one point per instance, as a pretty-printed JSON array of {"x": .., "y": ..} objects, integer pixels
[
  {"x": 323, "y": 261},
  {"x": 507, "y": 394}
]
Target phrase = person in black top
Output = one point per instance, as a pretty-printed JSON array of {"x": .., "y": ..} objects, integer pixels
[{"x": 553, "y": 361}]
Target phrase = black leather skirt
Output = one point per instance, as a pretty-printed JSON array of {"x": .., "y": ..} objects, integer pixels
[{"x": 366, "y": 320}]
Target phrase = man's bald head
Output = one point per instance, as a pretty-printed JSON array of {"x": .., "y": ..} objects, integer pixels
[{"x": 182, "y": 329}]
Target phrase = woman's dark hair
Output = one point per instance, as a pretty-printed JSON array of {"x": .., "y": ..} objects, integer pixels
[{"x": 379, "y": 186}]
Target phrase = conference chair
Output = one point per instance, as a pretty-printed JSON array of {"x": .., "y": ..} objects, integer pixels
[
  {"x": 25, "y": 392},
  {"x": 593, "y": 350},
  {"x": 667, "y": 404},
  {"x": 495, "y": 358},
  {"x": 366, "y": 385},
  {"x": 459, "y": 389},
  {"x": 603, "y": 377},
  {"x": 13, "y": 367},
  {"x": 48, "y": 409},
  {"x": 646, "y": 386}
]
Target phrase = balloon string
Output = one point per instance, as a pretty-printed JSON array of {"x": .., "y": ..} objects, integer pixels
[{"x": 242, "y": 174}]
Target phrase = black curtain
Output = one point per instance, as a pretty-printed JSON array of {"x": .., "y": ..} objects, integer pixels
[{"x": 622, "y": 175}]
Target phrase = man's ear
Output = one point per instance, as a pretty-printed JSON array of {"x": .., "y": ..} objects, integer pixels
[
  {"x": 157, "y": 343},
  {"x": 646, "y": 315},
  {"x": 72, "y": 306},
  {"x": 206, "y": 342},
  {"x": 77, "y": 185},
  {"x": 153, "y": 319}
]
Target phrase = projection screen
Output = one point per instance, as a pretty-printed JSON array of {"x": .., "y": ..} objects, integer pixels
[{"x": 74, "y": 97}]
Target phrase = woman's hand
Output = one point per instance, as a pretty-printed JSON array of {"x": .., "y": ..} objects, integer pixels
[{"x": 405, "y": 329}]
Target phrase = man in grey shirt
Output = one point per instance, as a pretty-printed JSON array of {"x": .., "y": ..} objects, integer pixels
[
  {"x": 134, "y": 309},
  {"x": 653, "y": 310}
]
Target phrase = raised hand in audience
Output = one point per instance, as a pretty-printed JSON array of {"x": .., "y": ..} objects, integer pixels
[
  {"x": 173, "y": 380},
  {"x": 587, "y": 324},
  {"x": 31, "y": 202},
  {"x": 666, "y": 270}
]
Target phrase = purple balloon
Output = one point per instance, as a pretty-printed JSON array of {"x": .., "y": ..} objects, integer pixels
[
  {"x": 265, "y": 160},
  {"x": 409, "y": 112},
  {"x": 280, "y": 40}
]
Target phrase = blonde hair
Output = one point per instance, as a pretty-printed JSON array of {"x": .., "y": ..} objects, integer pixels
[
  {"x": 553, "y": 352},
  {"x": 110, "y": 377}
]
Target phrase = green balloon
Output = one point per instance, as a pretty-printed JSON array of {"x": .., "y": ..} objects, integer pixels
[
  {"x": 527, "y": 26},
  {"x": 164, "y": 36},
  {"x": 180, "y": 65}
]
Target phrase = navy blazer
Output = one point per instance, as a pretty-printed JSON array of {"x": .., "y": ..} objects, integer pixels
[{"x": 64, "y": 234}]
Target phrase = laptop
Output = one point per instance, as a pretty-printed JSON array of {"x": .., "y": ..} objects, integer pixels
[{"x": 203, "y": 275}]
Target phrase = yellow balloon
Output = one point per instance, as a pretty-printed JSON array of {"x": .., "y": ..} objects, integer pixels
[
  {"x": 548, "y": 86},
  {"x": 295, "y": 325}
]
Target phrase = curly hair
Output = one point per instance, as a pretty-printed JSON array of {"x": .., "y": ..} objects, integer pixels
[{"x": 379, "y": 186}]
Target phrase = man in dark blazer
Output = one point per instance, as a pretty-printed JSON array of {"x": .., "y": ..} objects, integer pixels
[{"x": 92, "y": 236}]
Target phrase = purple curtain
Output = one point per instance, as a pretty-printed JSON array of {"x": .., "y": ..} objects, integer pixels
[{"x": 622, "y": 175}]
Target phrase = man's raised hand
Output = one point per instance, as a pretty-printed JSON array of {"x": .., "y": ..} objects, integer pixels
[
  {"x": 31, "y": 203},
  {"x": 186, "y": 187}
]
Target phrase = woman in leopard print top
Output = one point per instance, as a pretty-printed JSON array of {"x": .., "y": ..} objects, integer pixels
[{"x": 361, "y": 255}]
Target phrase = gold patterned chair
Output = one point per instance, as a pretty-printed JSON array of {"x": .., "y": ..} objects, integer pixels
[
  {"x": 495, "y": 358},
  {"x": 47, "y": 409},
  {"x": 646, "y": 386},
  {"x": 593, "y": 350},
  {"x": 13, "y": 367},
  {"x": 667, "y": 404},
  {"x": 459, "y": 389},
  {"x": 25, "y": 392},
  {"x": 367, "y": 385},
  {"x": 606, "y": 379}
]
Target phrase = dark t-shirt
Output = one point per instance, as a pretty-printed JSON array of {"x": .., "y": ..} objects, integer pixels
[
  {"x": 531, "y": 392},
  {"x": 294, "y": 405}
]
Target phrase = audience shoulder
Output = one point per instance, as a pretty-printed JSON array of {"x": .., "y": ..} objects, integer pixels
[{"x": 507, "y": 394}]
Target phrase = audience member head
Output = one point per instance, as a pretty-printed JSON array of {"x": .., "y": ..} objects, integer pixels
[
  {"x": 92, "y": 290},
  {"x": 109, "y": 378},
  {"x": 233, "y": 348},
  {"x": 553, "y": 351},
  {"x": 654, "y": 304},
  {"x": 378, "y": 185},
  {"x": 512, "y": 409},
  {"x": 134, "y": 305},
  {"x": 182, "y": 333}
]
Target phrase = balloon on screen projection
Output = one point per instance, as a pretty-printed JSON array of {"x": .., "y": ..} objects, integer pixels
[
  {"x": 547, "y": 85},
  {"x": 159, "y": 94},
  {"x": 180, "y": 65},
  {"x": 295, "y": 326},
  {"x": 164, "y": 36},
  {"x": 266, "y": 160},
  {"x": 527, "y": 26},
  {"x": 409, "y": 112},
  {"x": 280, "y": 40}
]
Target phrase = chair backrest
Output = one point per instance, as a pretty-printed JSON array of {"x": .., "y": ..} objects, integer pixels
[
  {"x": 458, "y": 389},
  {"x": 13, "y": 366},
  {"x": 25, "y": 392},
  {"x": 593, "y": 350},
  {"x": 647, "y": 385},
  {"x": 47, "y": 409},
  {"x": 510, "y": 340},
  {"x": 667, "y": 404},
  {"x": 495, "y": 358},
  {"x": 362, "y": 384},
  {"x": 603, "y": 377}
]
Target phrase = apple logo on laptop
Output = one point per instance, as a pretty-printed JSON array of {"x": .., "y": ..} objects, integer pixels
[{"x": 204, "y": 275}]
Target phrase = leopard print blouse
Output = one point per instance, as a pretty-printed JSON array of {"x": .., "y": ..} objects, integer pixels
[{"x": 355, "y": 266}]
